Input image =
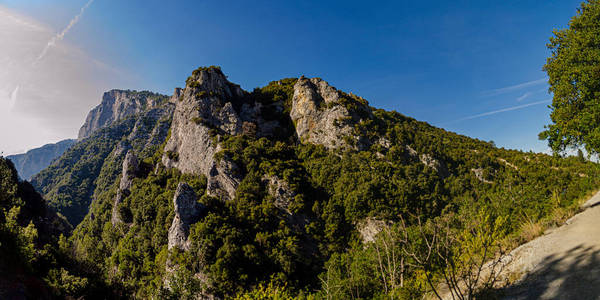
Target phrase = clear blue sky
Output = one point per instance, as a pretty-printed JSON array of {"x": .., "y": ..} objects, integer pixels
[{"x": 450, "y": 63}]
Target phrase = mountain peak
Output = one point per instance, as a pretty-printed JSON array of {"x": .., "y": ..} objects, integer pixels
[{"x": 117, "y": 105}]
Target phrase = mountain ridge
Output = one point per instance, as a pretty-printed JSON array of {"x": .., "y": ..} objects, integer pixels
[
  {"x": 33, "y": 161},
  {"x": 279, "y": 181}
]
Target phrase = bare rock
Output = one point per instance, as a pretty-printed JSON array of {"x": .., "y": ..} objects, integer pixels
[
  {"x": 325, "y": 116},
  {"x": 117, "y": 105},
  {"x": 128, "y": 173},
  {"x": 187, "y": 212},
  {"x": 479, "y": 174},
  {"x": 203, "y": 112},
  {"x": 369, "y": 228}
]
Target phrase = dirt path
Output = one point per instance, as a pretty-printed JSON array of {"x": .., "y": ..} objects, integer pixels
[{"x": 563, "y": 264}]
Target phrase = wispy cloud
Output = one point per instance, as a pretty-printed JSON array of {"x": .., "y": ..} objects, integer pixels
[
  {"x": 61, "y": 35},
  {"x": 489, "y": 113},
  {"x": 54, "y": 94},
  {"x": 515, "y": 87},
  {"x": 524, "y": 96},
  {"x": 13, "y": 97}
]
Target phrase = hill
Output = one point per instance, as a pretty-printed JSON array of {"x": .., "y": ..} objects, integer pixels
[{"x": 219, "y": 191}]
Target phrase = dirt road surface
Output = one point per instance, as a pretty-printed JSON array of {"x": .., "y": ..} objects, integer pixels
[{"x": 563, "y": 264}]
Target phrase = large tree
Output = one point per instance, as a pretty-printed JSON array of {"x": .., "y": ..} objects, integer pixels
[{"x": 574, "y": 77}]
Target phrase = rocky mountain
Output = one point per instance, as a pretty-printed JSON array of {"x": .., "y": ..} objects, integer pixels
[
  {"x": 117, "y": 105},
  {"x": 217, "y": 191},
  {"x": 35, "y": 160}
]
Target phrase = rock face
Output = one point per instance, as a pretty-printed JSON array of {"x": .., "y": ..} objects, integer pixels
[
  {"x": 369, "y": 228},
  {"x": 211, "y": 107},
  {"x": 204, "y": 111},
  {"x": 117, "y": 105},
  {"x": 326, "y": 116},
  {"x": 130, "y": 170},
  {"x": 35, "y": 160},
  {"x": 187, "y": 212}
]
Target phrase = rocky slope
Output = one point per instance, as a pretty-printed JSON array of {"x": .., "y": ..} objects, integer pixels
[
  {"x": 35, "y": 160},
  {"x": 70, "y": 183}
]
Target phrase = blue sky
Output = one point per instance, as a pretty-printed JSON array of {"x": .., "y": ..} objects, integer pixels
[{"x": 472, "y": 67}]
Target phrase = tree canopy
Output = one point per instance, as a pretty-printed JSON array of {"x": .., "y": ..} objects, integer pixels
[{"x": 574, "y": 77}]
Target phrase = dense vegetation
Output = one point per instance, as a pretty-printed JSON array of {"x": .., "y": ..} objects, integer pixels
[
  {"x": 574, "y": 80},
  {"x": 311, "y": 246},
  {"x": 35, "y": 256}
]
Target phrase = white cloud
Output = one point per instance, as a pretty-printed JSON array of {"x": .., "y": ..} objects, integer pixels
[
  {"x": 45, "y": 101},
  {"x": 61, "y": 35}
]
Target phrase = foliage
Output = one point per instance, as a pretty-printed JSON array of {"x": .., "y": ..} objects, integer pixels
[
  {"x": 574, "y": 76},
  {"x": 31, "y": 254}
]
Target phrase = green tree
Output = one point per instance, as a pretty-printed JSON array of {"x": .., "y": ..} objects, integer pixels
[{"x": 574, "y": 77}]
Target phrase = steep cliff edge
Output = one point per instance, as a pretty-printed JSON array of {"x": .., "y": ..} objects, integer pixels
[
  {"x": 117, "y": 105},
  {"x": 325, "y": 116},
  {"x": 204, "y": 112}
]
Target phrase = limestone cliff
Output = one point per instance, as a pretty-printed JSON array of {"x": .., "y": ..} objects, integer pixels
[
  {"x": 204, "y": 112},
  {"x": 97, "y": 159},
  {"x": 323, "y": 115},
  {"x": 117, "y": 105},
  {"x": 187, "y": 212},
  {"x": 130, "y": 169}
]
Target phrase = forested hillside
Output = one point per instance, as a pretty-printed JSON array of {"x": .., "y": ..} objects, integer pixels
[
  {"x": 296, "y": 189},
  {"x": 36, "y": 261}
]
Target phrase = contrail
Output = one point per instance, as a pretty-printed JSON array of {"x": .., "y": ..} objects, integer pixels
[
  {"x": 61, "y": 35},
  {"x": 13, "y": 97},
  {"x": 515, "y": 87},
  {"x": 489, "y": 113}
]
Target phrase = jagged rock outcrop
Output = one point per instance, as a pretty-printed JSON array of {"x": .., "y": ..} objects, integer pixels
[
  {"x": 33, "y": 161},
  {"x": 130, "y": 170},
  {"x": 480, "y": 175},
  {"x": 428, "y": 161},
  {"x": 369, "y": 228},
  {"x": 187, "y": 212},
  {"x": 204, "y": 111},
  {"x": 117, "y": 105},
  {"x": 323, "y": 115}
]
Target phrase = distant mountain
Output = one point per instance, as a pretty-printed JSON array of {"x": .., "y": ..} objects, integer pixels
[
  {"x": 117, "y": 105},
  {"x": 35, "y": 160}
]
